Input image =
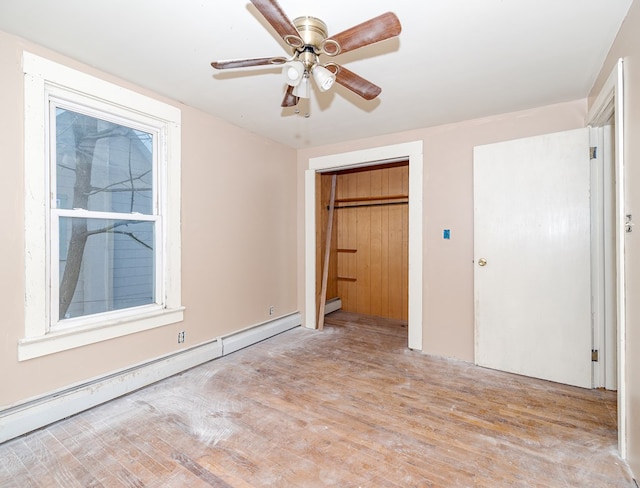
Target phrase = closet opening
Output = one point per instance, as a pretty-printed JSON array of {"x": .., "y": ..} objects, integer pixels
[{"x": 367, "y": 275}]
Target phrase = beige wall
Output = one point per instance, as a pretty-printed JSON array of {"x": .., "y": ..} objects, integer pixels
[
  {"x": 448, "y": 204},
  {"x": 627, "y": 46},
  {"x": 238, "y": 241}
]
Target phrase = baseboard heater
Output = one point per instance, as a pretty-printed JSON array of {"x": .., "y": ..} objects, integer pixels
[
  {"x": 38, "y": 413},
  {"x": 332, "y": 305}
]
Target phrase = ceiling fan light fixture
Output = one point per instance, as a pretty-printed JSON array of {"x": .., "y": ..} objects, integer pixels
[
  {"x": 308, "y": 39},
  {"x": 323, "y": 77},
  {"x": 303, "y": 89},
  {"x": 293, "y": 72}
]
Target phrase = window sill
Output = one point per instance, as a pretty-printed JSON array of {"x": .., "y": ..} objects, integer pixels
[{"x": 63, "y": 340}]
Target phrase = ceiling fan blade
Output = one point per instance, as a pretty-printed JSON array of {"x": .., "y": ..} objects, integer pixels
[
  {"x": 245, "y": 63},
  {"x": 357, "y": 84},
  {"x": 374, "y": 30},
  {"x": 289, "y": 100},
  {"x": 274, "y": 14}
]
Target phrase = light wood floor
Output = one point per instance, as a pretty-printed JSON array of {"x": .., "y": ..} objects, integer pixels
[{"x": 347, "y": 407}]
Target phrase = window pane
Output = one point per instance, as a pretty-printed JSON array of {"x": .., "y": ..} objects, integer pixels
[
  {"x": 105, "y": 265},
  {"x": 102, "y": 166}
]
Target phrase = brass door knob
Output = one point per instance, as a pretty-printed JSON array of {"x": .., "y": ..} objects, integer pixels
[{"x": 482, "y": 262}]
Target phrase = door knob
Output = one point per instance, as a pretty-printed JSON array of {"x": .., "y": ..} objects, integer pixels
[{"x": 482, "y": 262}]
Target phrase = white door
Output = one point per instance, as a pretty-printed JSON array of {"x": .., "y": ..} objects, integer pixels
[{"x": 532, "y": 257}]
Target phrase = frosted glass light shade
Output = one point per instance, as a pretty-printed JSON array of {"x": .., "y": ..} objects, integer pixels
[
  {"x": 303, "y": 89},
  {"x": 293, "y": 72},
  {"x": 323, "y": 77}
]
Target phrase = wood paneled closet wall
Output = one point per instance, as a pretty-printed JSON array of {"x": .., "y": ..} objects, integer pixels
[{"x": 368, "y": 264}]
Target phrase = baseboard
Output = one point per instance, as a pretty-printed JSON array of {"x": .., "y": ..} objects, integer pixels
[
  {"x": 242, "y": 339},
  {"x": 21, "y": 419},
  {"x": 332, "y": 305}
]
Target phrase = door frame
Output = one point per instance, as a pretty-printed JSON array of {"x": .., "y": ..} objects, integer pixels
[
  {"x": 609, "y": 103},
  {"x": 603, "y": 251},
  {"x": 411, "y": 151}
]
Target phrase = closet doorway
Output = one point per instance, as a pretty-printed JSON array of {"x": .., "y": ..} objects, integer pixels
[
  {"x": 368, "y": 260},
  {"x": 375, "y": 156}
]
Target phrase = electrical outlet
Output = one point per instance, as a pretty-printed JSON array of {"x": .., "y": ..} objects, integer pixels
[
  {"x": 181, "y": 337},
  {"x": 272, "y": 310}
]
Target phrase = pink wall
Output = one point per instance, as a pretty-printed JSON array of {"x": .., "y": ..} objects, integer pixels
[
  {"x": 627, "y": 47},
  {"x": 448, "y": 321},
  {"x": 238, "y": 241}
]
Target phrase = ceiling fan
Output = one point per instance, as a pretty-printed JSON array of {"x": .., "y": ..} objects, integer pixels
[{"x": 308, "y": 38}]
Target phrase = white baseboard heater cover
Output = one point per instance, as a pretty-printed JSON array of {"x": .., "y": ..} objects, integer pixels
[{"x": 37, "y": 413}]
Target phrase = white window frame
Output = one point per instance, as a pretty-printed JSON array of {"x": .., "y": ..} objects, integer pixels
[{"x": 45, "y": 80}]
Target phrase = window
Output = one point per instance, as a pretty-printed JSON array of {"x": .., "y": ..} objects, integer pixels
[{"x": 102, "y": 210}]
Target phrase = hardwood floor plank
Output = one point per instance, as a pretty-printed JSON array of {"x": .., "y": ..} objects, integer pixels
[
  {"x": 87, "y": 444},
  {"x": 52, "y": 462},
  {"x": 378, "y": 415},
  {"x": 14, "y": 472}
]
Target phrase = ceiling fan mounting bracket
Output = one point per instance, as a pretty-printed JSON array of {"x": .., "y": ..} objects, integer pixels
[{"x": 313, "y": 33}]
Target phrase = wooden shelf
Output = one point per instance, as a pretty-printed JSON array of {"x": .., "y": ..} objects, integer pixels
[{"x": 370, "y": 199}]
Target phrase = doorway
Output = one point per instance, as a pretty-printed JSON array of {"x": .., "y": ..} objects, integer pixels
[
  {"x": 606, "y": 119},
  {"x": 368, "y": 261},
  {"x": 603, "y": 260},
  {"x": 411, "y": 151},
  {"x": 608, "y": 110}
]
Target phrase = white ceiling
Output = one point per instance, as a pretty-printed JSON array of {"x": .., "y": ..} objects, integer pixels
[{"x": 454, "y": 60}]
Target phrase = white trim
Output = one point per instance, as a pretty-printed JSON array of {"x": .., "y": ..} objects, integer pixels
[
  {"x": 367, "y": 157},
  {"x": 69, "y": 78},
  {"x": 245, "y": 338},
  {"x": 35, "y": 197},
  {"x": 44, "y": 80},
  {"x": 92, "y": 214},
  {"x": 39, "y": 412},
  {"x": 597, "y": 255},
  {"x": 310, "y": 249},
  {"x": 416, "y": 185},
  {"x": 58, "y": 405},
  {"x": 70, "y": 338},
  {"x": 610, "y": 102},
  {"x": 603, "y": 271},
  {"x": 610, "y": 335}
]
